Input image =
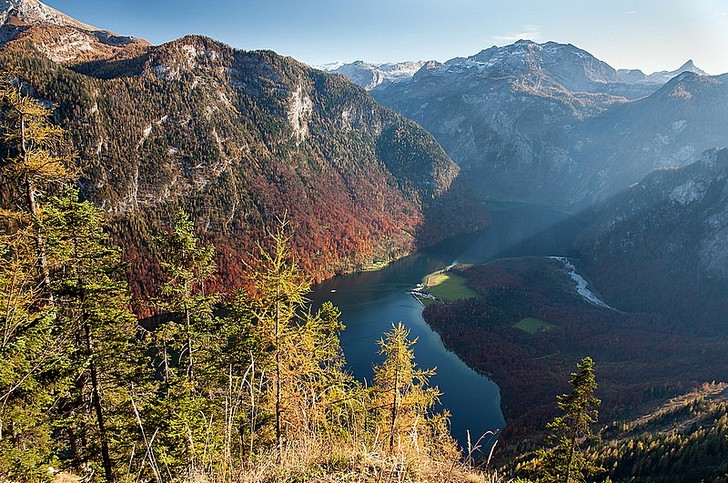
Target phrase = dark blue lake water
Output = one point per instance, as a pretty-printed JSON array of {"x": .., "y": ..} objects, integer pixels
[{"x": 371, "y": 301}]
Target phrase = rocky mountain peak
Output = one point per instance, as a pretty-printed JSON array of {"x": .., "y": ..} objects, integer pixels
[
  {"x": 661, "y": 77},
  {"x": 61, "y": 38},
  {"x": 33, "y": 12},
  {"x": 690, "y": 66},
  {"x": 371, "y": 76},
  {"x": 525, "y": 60}
]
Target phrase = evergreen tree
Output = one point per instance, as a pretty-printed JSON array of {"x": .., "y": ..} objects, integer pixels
[
  {"x": 187, "y": 267},
  {"x": 564, "y": 461},
  {"x": 28, "y": 356},
  {"x": 275, "y": 302},
  {"x": 37, "y": 160},
  {"x": 68, "y": 330},
  {"x": 34, "y": 161},
  {"x": 186, "y": 346},
  {"x": 93, "y": 311},
  {"x": 298, "y": 352}
]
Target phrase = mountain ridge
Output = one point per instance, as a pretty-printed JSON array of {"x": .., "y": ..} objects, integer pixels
[
  {"x": 34, "y": 12},
  {"x": 62, "y": 38},
  {"x": 671, "y": 227},
  {"x": 371, "y": 74},
  {"x": 239, "y": 138},
  {"x": 551, "y": 123},
  {"x": 375, "y": 75}
]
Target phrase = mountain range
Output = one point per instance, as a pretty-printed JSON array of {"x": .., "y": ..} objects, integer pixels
[
  {"x": 636, "y": 76},
  {"x": 61, "y": 38},
  {"x": 371, "y": 76},
  {"x": 239, "y": 139},
  {"x": 541, "y": 122}
]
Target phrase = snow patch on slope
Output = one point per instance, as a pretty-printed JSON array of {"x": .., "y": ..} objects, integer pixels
[{"x": 688, "y": 192}]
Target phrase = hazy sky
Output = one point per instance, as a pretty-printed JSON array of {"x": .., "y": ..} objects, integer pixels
[{"x": 647, "y": 34}]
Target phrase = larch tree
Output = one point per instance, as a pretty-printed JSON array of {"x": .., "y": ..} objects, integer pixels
[
  {"x": 67, "y": 326},
  {"x": 34, "y": 162},
  {"x": 37, "y": 160},
  {"x": 275, "y": 302},
  {"x": 401, "y": 391},
  {"x": 299, "y": 357}
]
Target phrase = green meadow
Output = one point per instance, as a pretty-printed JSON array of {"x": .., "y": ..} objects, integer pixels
[
  {"x": 448, "y": 287},
  {"x": 533, "y": 325}
]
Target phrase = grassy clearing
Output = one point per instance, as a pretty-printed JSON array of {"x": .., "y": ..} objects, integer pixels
[
  {"x": 533, "y": 325},
  {"x": 448, "y": 287}
]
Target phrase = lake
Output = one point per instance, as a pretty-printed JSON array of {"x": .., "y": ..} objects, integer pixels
[{"x": 371, "y": 301}]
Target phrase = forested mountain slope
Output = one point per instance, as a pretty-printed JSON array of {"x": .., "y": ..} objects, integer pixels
[
  {"x": 661, "y": 245},
  {"x": 239, "y": 139}
]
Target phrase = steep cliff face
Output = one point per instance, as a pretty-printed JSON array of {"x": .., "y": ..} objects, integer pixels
[
  {"x": 663, "y": 244},
  {"x": 240, "y": 139}
]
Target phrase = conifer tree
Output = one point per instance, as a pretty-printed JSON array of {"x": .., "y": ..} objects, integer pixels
[
  {"x": 186, "y": 345},
  {"x": 68, "y": 330},
  {"x": 93, "y": 310},
  {"x": 34, "y": 161},
  {"x": 401, "y": 390},
  {"x": 188, "y": 267},
  {"x": 275, "y": 302},
  {"x": 297, "y": 350},
  {"x": 564, "y": 461},
  {"x": 37, "y": 160},
  {"x": 28, "y": 355}
]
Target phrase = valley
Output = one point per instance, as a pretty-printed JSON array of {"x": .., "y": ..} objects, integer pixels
[{"x": 187, "y": 228}]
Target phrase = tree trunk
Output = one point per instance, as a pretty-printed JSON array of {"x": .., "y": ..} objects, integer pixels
[
  {"x": 279, "y": 436},
  {"x": 395, "y": 403},
  {"x": 96, "y": 401},
  {"x": 30, "y": 193},
  {"x": 190, "y": 361},
  {"x": 570, "y": 459},
  {"x": 93, "y": 369}
]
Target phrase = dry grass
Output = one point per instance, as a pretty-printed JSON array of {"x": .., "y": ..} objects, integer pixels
[{"x": 315, "y": 461}]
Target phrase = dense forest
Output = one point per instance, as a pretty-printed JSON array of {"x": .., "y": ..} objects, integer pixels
[
  {"x": 253, "y": 389},
  {"x": 236, "y": 139},
  {"x": 526, "y": 325}
]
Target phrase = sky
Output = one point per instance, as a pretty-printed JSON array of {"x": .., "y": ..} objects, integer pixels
[{"x": 650, "y": 35}]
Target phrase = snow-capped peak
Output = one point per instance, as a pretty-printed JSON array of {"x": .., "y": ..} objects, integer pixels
[
  {"x": 664, "y": 76},
  {"x": 690, "y": 66},
  {"x": 369, "y": 75},
  {"x": 330, "y": 66}
]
